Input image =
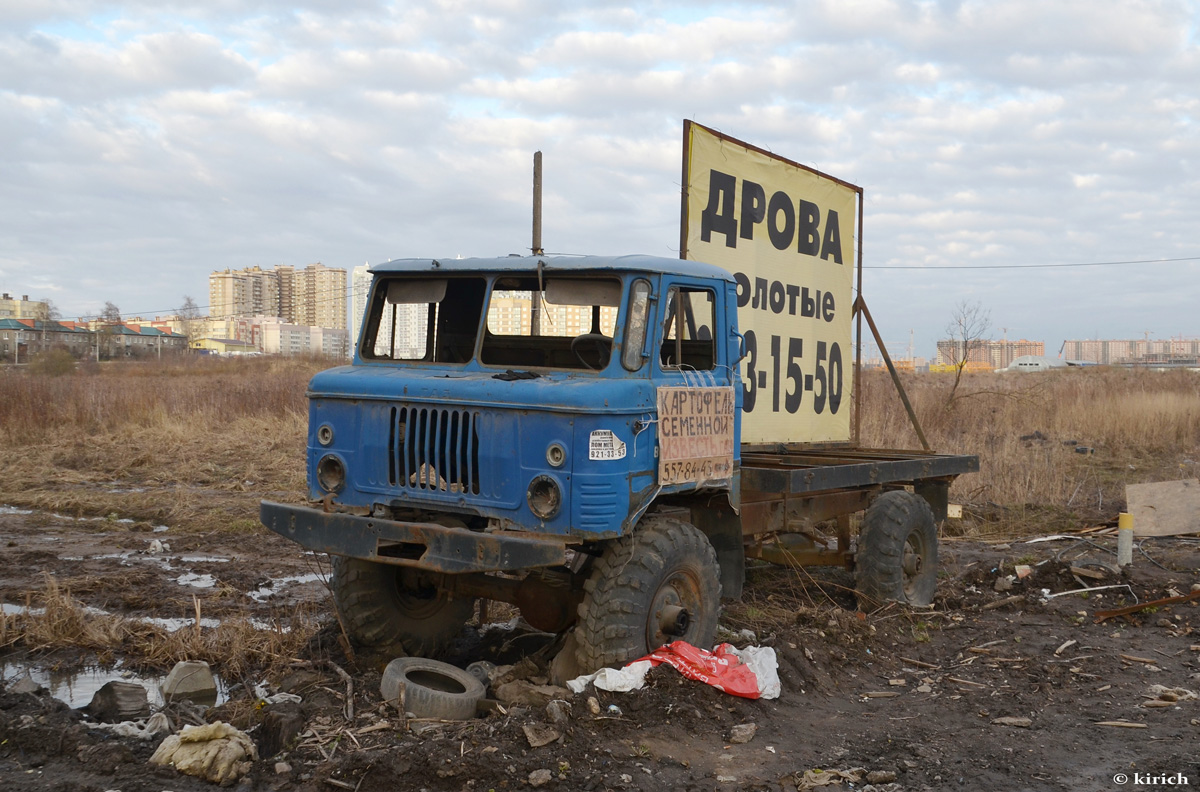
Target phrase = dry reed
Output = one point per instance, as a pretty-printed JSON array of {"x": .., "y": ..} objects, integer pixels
[{"x": 52, "y": 619}]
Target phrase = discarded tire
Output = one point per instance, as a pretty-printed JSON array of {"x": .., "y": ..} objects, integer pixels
[
  {"x": 897, "y": 552},
  {"x": 431, "y": 689},
  {"x": 379, "y": 608},
  {"x": 654, "y": 586}
]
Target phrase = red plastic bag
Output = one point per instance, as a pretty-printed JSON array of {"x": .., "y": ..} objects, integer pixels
[{"x": 719, "y": 668}]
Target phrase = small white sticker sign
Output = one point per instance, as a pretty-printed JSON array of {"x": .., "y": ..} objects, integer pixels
[{"x": 603, "y": 444}]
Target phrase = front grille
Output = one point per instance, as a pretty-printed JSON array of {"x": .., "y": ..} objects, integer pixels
[
  {"x": 597, "y": 506},
  {"x": 433, "y": 450}
]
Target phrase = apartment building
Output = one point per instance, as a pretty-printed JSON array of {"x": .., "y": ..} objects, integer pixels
[
  {"x": 24, "y": 308},
  {"x": 1136, "y": 351},
  {"x": 986, "y": 352},
  {"x": 314, "y": 295},
  {"x": 243, "y": 292}
]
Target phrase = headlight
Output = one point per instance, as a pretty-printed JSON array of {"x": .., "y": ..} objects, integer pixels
[
  {"x": 331, "y": 473},
  {"x": 545, "y": 497}
]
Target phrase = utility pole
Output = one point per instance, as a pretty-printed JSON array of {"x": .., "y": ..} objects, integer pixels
[
  {"x": 535, "y": 304},
  {"x": 537, "y": 204}
]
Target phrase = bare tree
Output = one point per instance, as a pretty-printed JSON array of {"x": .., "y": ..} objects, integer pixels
[
  {"x": 967, "y": 330},
  {"x": 190, "y": 318},
  {"x": 50, "y": 311},
  {"x": 110, "y": 320}
]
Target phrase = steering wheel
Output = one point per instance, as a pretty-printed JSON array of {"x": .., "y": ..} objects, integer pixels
[{"x": 600, "y": 343}]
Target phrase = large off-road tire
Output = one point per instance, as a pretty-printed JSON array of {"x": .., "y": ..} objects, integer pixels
[
  {"x": 897, "y": 552},
  {"x": 657, "y": 585},
  {"x": 431, "y": 689},
  {"x": 380, "y": 609}
]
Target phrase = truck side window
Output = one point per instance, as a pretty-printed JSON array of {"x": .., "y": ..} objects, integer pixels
[
  {"x": 424, "y": 319},
  {"x": 635, "y": 325},
  {"x": 687, "y": 331}
]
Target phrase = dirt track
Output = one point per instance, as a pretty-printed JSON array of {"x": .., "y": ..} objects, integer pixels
[{"x": 916, "y": 694}]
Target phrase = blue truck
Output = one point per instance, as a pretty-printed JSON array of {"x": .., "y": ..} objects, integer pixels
[{"x": 563, "y": 434}]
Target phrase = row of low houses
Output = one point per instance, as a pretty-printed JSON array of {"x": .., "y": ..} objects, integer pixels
[
  {"x": 23, "y": 339},
  {"x": 27, "y": 330}
]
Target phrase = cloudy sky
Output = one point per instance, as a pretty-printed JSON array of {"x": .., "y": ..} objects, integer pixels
[{"x": 144, "y": 144}]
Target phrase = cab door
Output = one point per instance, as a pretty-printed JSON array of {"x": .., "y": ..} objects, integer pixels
[{"x": 697, "y": 386}]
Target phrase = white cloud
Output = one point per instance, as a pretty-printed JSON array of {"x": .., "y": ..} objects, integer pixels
[{"x": 144, "y": 144}]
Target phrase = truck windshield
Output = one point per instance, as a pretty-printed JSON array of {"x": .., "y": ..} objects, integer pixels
[
  {"x": 531, "y": 322},
  {"x": 434, "y": 320},
  {"x": 552, "y": 323}
]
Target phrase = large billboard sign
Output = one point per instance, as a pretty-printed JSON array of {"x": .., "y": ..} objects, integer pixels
[{"x": 787, "y": 233}]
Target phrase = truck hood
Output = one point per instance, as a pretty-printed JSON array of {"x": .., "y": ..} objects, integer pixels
[{"x": 553, "y": 391}]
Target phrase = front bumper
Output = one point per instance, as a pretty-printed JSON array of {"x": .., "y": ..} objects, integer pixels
[{"x": 428, "y": 546}]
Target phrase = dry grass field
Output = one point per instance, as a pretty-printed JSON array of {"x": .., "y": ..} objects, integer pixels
[
  {"x": 1056, "y": 448},
  {"x": 197, "y": 442}
]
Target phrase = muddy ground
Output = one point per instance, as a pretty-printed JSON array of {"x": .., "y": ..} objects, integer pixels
[{"x": 914, "y": 696}]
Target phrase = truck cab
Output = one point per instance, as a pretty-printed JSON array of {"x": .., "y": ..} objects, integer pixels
[{"x": 498, "y": 433}]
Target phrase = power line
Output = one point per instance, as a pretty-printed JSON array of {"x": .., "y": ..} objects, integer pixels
[
  {"x": 1033, "y": 266},
  {"x": 175, "y": 310}
]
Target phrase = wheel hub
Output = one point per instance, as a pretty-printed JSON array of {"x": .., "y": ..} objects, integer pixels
[
  {"x": 669, "y": 618},
  {"x": 912, "y": 562},
  {"x": 675, "y": 620}
]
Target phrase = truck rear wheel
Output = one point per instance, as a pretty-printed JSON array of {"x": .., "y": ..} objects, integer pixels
[
  {"x": 654, "y": 586},
  {"x": 382, "y": 608},
  {"x": 897, "y": 552}
]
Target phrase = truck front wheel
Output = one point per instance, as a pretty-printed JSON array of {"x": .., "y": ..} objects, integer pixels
[
  {"x": 383, "y": 607},
  {"x": 657, "y": 585},
  {"x": 897, "y": 552}
]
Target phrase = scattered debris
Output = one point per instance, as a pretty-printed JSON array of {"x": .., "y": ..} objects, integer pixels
[
  {"x": 1136, "y": 659},
  {"x": 1164, "y": 508},
  {"x": 119, "y": 701},
  {"x": 1091, "y": 574},
  {"x": 191, "y": 680},
  {"x": 1019, "y": 723},
  {"x": 1108, "y": 614},
  {"x": 522, "y": 692},
  {"x": 615, "y": 680},
  {"x": 1172, "y": 695},
  {"x": 281, "y": 724},
  {"x": 1065, "y": 646},
  {"x": 539, "y": 734},
  {"x": 431, "y": 689},
  {"x": 812, "y": 779},
  {"x": 146, "y": 729},
  {"x": 1002, "y": 603},
  {"x": 743, "y": 733},
  {"x": 216, "y": 752},
  {"x": 1046, "y": 595},
  {"x": 1122, "y": 724},
  {"x": 559, "y": 712},
  {"x": 540, "y": 777}
]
